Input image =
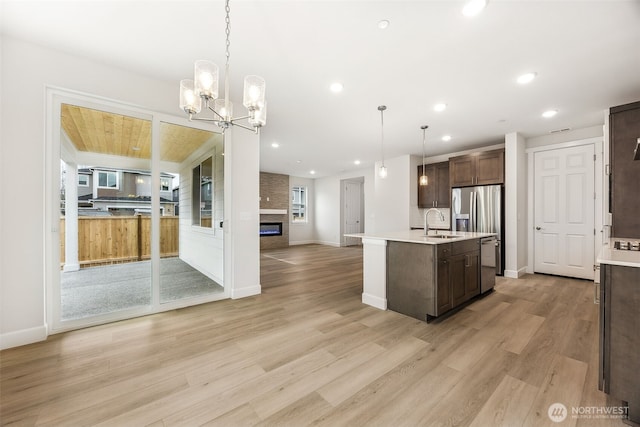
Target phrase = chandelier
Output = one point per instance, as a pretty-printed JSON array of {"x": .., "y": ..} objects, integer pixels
[{"x": 204, "y": 89}]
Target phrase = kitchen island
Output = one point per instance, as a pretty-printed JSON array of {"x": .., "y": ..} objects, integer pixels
[
  {"x": 620, "y": 323},
  {"x": 422, "y": 276}
]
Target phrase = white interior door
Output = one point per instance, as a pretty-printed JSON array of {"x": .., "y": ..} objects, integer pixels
[
  {"x": 564, "y": 206},
  {"x": 353, "y": 211}
]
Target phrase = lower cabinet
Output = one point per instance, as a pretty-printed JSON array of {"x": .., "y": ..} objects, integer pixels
[
  {"x": 425, "y": 281},
  {"x": 619, "y": 337}
]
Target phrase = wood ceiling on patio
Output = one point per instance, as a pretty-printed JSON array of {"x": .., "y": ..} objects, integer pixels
[{"x": 101, "y": 132}]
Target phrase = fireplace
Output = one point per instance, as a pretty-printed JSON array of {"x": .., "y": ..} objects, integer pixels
[{"x": 270, "y": 229}]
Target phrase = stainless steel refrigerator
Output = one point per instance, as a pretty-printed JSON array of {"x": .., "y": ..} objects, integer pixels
[{"x": 480, "y": 209}]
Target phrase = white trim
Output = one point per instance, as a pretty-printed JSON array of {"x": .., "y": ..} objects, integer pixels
[
  {"x": 116, "y": 174},
  {"x": 304, "y": 242},
  {"x": 245, "y": 291},
  {"x": 82, "y": 175},
  {"x": 516, "y": 274},
  {"x": 23, "y": 337},
  {"x": 273, "y": 212},
  {"x": 322, "y": 242},
  {"x": 599, "y": 202},
  {"x": 374, "y": 301}
]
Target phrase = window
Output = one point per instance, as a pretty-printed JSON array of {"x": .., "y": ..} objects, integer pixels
[
  {"x": 165, "y": 184},
  {"x": 202, "y": 194},
  {"x": 108, "y": 180},
  {"x": 299, "y": 204},
  {"x": 83, "y": 180}
]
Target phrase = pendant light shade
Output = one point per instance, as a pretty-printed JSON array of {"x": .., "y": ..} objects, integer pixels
[
  {"x": 254, "y": 88},
  {"x": 424, "y": 179},
  {"x": 382, "y": 172}
]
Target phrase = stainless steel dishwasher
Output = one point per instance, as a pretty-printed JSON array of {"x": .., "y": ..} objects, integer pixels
[{"x": 488, "y": 251}]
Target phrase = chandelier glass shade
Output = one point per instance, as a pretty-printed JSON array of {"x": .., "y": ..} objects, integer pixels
[{"x": 203, "y": 89}]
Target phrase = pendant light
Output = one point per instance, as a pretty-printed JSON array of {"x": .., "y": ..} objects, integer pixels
[
  {"x": 382, "y": 172},
  {"x": 424, "y": 180}
]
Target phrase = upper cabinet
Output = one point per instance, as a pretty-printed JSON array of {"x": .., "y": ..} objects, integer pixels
[
  {"x": 624, "y": 132},
  {"x": 477, "y": 169},
  {"x": 436, "y": 194}
]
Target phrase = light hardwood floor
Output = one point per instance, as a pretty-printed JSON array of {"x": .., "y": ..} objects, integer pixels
[{"x": 308, "y": 352}]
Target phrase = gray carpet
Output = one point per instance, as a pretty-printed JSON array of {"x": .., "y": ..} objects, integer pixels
[{"x": 99, "y": 290}]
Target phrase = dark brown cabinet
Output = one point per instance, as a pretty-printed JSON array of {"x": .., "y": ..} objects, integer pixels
[
  {"x": 482, "y": 168},
  {"x": 426, "y": 281},
  {"x": 624, "y": 131},
  {"x": 464, "y": 271},
  {"x": 619, "y": 338},
  {"x": 437, "y": 193}
]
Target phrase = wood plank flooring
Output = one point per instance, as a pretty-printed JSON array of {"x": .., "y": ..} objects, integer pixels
[{"x": 308, "y": 352}]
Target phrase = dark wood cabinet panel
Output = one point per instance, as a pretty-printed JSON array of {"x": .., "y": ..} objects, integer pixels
[
  {"x": 619, "y": 337},
  {"x": 624, "y": 131},
  {"x": 443, "y": 297},
  {"x": 437, "y": 192},
  {"x": 490, "y": 168},
  {"x": 482, "y": 168},
  {"x": 471, "y": 276},
  {"x": 462, "y": 171},
  {"x": 457, "y": 276}
]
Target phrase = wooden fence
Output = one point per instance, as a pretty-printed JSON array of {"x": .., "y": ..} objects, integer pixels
[{"x": 117, "y": 239}]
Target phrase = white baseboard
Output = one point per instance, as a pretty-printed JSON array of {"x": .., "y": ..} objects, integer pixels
[
  {"x": 23, "y": 337},
  {"x": 515, "y": 274},
  {"x": 321, "y": 242},
  {"x": 246, "y": 291},
  {"x": 302, "y": 242},
  {"x": 374, "y": 301}
]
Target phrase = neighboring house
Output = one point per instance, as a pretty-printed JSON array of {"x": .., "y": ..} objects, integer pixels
[{"x": 121, "y": 192}]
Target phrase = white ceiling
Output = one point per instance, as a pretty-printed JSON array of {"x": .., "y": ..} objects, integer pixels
[{"x": 586, "y": 54}]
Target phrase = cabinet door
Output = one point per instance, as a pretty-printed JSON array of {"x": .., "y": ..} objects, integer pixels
[
  {"x": 443, "y": 196},
  {"x": 462, "y": 171},
  {"x": 457, "y": 272},
  {"x": 427, "y": 193},
  {"x": 443, "y": 297},
  {"x": 472, "y": 274},
  {"x": 490, "y": 168},
  {"x": 624, "y": 124}
]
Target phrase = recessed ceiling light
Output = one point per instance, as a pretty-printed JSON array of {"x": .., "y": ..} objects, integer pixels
[
  {"x": 440, "y": 107},
  {"x": 549, "y": 113},
  {"x": 336, "y": 87},
  {"x": 383, "y": 24},
  {"x": 526, "y": 78},
  {"x": 298, "y": 161},
  {"x": 275, "y": 145},
  {"x": 356, "y": 162},
  {"x": 446, "y": 138},
  {"x": 312, "y": 172},
  {"x": 473, "y": 7}
]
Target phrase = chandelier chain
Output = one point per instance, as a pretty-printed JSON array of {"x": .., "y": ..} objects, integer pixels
[{"x": 227, "y": 32}]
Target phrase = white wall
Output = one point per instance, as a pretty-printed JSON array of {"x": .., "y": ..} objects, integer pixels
[
  {"x": 26, "y": 70},
  {"x": 567, "y": 136},
  {"x": 515, "y": 245},
  {"x": 328, "y": 206},
  {"x": 302, "y": 233},
  {"x": 392, "y": 198}
]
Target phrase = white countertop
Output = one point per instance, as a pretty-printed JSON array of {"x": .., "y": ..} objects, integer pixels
[
  {"x": 609, "y": 255},
  {"x": 417, "y": 236}
]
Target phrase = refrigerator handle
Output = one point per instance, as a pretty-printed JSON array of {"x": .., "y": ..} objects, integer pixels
[{"x": 472, "y": 212}]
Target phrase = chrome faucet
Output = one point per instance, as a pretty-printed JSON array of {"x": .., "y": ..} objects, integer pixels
[{"x": 426, "y": 219}]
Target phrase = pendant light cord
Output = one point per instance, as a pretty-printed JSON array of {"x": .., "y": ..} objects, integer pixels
[{"x": 381, "y": 108}]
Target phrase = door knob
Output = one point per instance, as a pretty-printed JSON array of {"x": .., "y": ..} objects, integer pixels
[{"x": 538, "y": 228}]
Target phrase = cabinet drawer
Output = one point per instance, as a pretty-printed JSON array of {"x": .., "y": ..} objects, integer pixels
[{"x": 465, "y": 246}]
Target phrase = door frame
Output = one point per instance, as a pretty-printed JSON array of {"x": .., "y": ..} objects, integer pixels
[
  {"x": 598, "y": 176},
  {"x": 55, "y": 96}
]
